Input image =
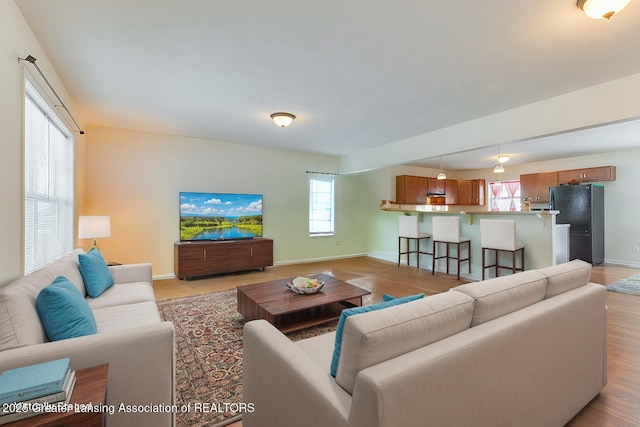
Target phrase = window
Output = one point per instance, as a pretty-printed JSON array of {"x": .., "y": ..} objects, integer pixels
[
  {"x": 322, "y": 206},
  {"x": 48, "y": 184},
  {"x": 505, "y": 195}
]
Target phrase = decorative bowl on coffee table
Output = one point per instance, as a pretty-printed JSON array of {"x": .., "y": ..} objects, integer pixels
[{"x": 305, "y": 285}]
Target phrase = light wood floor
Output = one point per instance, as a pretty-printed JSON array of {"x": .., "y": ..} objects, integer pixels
[{"x": 617, "y": 405}]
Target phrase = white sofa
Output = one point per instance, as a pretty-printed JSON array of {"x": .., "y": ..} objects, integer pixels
[
  {"x": 131, "y": 337},
  {"x": 522, "y": 350}
]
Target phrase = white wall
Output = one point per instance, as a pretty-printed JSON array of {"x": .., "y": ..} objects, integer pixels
[
  {"x": 17, "y": 41},
  {"x": 135, "y": 177}
]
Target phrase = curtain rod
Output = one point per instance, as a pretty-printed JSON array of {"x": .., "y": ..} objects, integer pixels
[
  {"x": 32, "y": 60},
  {"x": 323, "y": 173}
]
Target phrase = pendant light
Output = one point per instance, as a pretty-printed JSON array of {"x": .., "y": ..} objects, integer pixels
[
  {"x": 501, "y": 159},
  {"x": 441, "y": 175}
]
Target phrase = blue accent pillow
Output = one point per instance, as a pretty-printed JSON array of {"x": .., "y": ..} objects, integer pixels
[
  {"x": 95, "y": 273},
  {"x": 63, "y": 311},
  {"x": 387, "y": 301}
]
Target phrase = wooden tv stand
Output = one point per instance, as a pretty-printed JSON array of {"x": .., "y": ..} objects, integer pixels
[{"x": 192, "y": 259}]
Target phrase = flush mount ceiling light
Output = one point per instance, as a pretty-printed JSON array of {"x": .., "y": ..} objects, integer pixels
[
  {"x": 282, "y": 119},
  {"x": 441, "y": 175},
  {"x": 602, "y": 9}
]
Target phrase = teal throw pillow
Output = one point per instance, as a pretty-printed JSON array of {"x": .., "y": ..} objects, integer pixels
[
  {"x": 63, "y": 311},
  {"x": 387, "y": 301},
  {"x": 95, "y": 273}
]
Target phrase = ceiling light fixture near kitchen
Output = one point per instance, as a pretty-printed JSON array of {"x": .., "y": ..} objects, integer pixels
[
  {"x": 441, "y": 175},
  {"x": 282, "y": 119},
  {"x": 602, "y": 9},
  {"x": 501, "y": 159}
]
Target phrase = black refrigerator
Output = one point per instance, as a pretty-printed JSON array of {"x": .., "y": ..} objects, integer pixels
[{"x": 582, "y": 207}]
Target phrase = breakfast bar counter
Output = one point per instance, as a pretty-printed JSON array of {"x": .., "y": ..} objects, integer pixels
[{"x": 536, "y": 230}]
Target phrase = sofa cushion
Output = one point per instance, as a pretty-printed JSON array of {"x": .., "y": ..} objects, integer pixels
[
  {"x": 374, "y": 337},
  {"x": 126, "y": 316},
  {"x": 123, "y": 294},
  {"x": 504, "y": 295},
  {"x": 64, "y": 312},
  {"x": 19, "y": 321},
  {"x": 564, "y": 277},
  {"x": 96, "y": 274},
  {"x": 358, "y": 310}
]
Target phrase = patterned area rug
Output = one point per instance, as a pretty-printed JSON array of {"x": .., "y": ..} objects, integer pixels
[
  {"x": 209, "y": 356},
  {"x": 629, "y": 285}
]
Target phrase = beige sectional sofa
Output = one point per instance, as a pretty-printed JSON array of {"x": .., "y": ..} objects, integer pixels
[
  {"x": 131, "y": 338},
  {"x": 522, "y": 350}
]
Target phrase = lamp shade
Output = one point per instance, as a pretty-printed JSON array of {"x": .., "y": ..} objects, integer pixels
[
  {"x": 602, "y": 9},
  {"x": 94, "y": 227},
  {"x": 498, "y": 169}
]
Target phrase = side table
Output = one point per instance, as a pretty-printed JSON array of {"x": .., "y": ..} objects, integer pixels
[{"x": 91, "y": 387}]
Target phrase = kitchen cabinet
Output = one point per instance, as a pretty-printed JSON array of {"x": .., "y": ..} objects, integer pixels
[
  {"x": 535, "y": 186},
  {"x": 406, "y": 189},
  {"x": 601, "y": 173},
  {"x": 435, "y": 186},
  {"x": 471, "y": 191},
  {"x": 451, "y": 191},
  {"x": 414, "y": 190},
  {"x": 411, "y": 189}
]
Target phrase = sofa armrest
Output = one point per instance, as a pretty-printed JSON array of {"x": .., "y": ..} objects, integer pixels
[
  {"x": 130, "y": 273},
  {"x": 285, "y": 386},
  {"x": 141, "y": 367}
]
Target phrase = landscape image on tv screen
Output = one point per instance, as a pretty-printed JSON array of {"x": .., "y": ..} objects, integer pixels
[{"x": 218, "y": 216}]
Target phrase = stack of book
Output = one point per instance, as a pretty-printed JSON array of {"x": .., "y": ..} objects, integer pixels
[{"x": 33, "y": 390}]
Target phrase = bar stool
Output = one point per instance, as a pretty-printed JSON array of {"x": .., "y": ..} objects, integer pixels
[
  {"x": 408, "y": 229},
  {"x": 446, "y": 229},
  {"x": 499, "y": 235}
]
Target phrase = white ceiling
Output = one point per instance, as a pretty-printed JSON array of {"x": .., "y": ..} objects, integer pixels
[{"x": 356, "y": 73}]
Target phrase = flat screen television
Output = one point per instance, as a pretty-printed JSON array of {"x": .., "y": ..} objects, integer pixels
[{"x": 220, "y": 216}]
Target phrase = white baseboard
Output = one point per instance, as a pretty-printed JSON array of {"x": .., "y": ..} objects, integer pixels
[
  {"x": 164, "y": 276},
  {"x": 307, "y": 260},
  {"x": 622, "y": 262}
]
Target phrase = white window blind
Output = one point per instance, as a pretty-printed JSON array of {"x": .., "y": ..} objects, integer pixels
[
  {"x": 322, "y": 206},
  {"x": 48, "y": 184}
]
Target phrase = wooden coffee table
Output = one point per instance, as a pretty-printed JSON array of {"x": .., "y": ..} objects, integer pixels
[{"x": 289, "y": 311}]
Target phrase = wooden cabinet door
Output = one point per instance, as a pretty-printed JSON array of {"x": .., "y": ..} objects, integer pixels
[
  {"x": 529, "y": 187},
  {"x": 546, "y": 180},
  {"x": 421, "y": 190},
  {"x": 451, "y": 191},
  {"x": 261, "y": 253},
  {"x": 465, "y": 192},
  {"x": 435, "y": 185},
  {"x": 535, "y": 186},
  {"x": 407, "y": 189},
  {"x": 565, "y": 177},
  {"x": 600, "y": 173},
  {"x": 191, "y": 261}
]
